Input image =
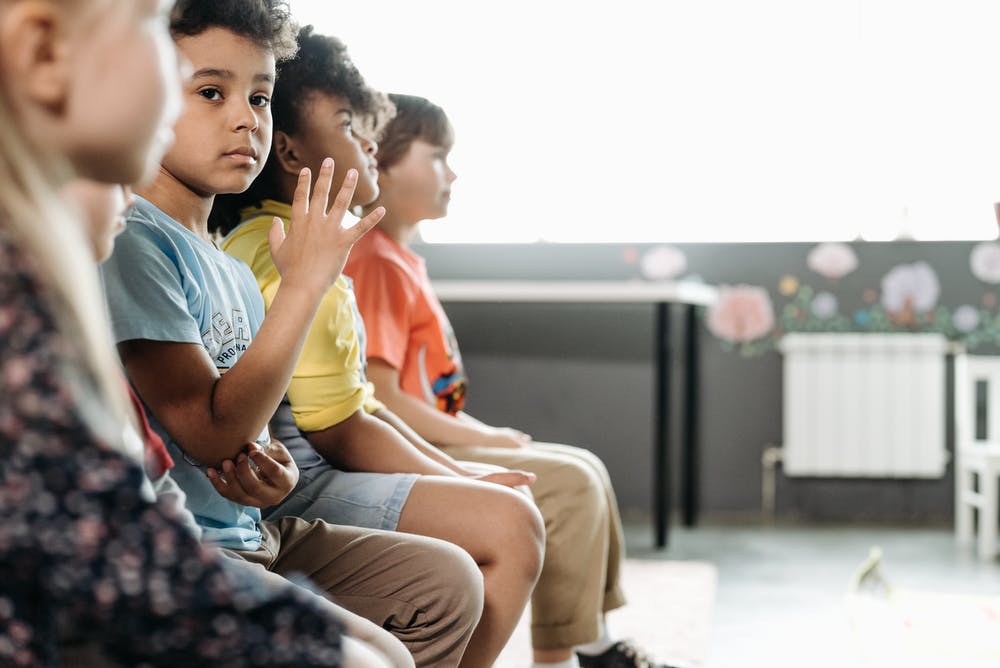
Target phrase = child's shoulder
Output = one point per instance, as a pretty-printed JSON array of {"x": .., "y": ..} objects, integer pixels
[
  {"x": 145, "y": 221},
  {"x": 377, "y": 248}
]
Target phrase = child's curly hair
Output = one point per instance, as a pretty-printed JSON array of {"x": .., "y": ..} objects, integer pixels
[
  {"x": 321, "y": 65},
  {"x": 268, "y": 23},
  {"x": 416, "y": 118}
]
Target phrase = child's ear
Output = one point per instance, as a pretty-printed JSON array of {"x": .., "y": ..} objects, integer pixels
[
  {"x": 286, "y": 152},
  {"x": 34, "y": 51}
]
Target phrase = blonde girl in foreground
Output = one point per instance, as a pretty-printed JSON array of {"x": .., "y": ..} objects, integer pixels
[{"x": 91, "y": 566}]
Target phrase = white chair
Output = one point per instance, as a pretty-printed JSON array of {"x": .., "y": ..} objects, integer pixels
[{"x": 977, "y": 450}]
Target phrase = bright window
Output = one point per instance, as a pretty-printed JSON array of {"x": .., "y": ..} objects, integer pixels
[{"x": 701, "y": 120}]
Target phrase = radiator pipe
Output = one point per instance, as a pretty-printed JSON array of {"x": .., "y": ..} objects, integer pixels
[{"x": 769, "y": 460}]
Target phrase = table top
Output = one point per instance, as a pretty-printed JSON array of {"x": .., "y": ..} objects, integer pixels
[{"x": 684, "y": 292}]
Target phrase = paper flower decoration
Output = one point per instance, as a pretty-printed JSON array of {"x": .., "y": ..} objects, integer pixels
[
  {"x": 662, "y": 263},
  {"x": 832, "y": 260},
  {"x": 966, "y": 318},
  {"x": 909, "y": 289},
  {"x": 824, "y": 305},
  {"x": 985, "y": 261},
  {"x": 742, "y": 313}
]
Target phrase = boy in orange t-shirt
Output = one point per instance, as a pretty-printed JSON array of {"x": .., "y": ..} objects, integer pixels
[{"x": 414, "y": 362}]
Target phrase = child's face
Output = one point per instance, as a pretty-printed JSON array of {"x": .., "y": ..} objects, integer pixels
[
  {"x": 418, "y": 187},
  {"x": 327, "y": 129},
  {"x": 223, "y": 136},
  {"x": 102, "y": 208},
  {"x": 123, "y": 88}
]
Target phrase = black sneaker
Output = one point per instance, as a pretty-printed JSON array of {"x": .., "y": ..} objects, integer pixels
[{"x": 623, "y": 654}]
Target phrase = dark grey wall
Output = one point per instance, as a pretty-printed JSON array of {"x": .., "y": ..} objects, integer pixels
[{"x": 582, "y": 374}]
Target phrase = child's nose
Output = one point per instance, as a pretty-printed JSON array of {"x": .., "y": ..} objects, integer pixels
[{"x": 245, "y": 118}]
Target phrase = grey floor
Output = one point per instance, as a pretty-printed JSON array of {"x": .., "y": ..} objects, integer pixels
[{"x": 780, "y": 598}]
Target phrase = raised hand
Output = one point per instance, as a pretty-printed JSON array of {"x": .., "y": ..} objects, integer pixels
[
  {"x": 313, "y": 251},
  {"x": 261, "y": 477}
]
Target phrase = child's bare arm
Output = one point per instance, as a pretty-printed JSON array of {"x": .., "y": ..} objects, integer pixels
[
  {"x": 435, "y": 426},
  {"x": 498, "y": 475},
  {"x": 213, "y": 416},
  {"x": 365, "y": 443}
]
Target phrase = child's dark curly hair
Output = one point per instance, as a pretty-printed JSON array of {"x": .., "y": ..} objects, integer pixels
[
  {"x": 416, "y": 118},
  {"x": 268, "y": 23},
  {"x": 321, "y": 65}
]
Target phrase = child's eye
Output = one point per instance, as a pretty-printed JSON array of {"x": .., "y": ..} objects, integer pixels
[
  {"x": 210, "y": 93},
  {"x": 260, "y": 100}
]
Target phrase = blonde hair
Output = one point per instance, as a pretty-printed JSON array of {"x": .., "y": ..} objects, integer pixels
[{"x": 34, "y": 217}]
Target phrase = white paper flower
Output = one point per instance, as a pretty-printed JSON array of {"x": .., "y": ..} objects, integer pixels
[
  {"x": 910, "y": 286},
  {"x": 824, "y": 305},
  {"x": 832, "y": 259},
  {"x": 662, "y": 263},
  {"x": 966, "y": 318},
  {"x": 985, "y": 261}
]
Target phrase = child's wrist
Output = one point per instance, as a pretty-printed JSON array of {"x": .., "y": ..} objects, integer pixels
[{"x": 309, "y": 287}]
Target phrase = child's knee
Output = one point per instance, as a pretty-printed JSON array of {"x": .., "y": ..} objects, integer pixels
[
  {"x": 463, "y": 591},
  {"x": 523, "y": 532}
]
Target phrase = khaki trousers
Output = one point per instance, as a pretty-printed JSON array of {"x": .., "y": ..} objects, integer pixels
[
  {"x": 584, "y": 544},
  {"x": 426, "y": 592}
]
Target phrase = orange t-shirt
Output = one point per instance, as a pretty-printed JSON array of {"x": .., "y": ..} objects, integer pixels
[{"x": 406, "y": 324}]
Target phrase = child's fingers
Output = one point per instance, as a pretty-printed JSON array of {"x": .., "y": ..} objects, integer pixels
[
  {"x": 300, "y": 200},
  {"x": 321, "y": 191},
  {"x": 343, "y": 201},
  {"x": 269, "y": 468},
  {"x": 366, "y": 224},
  {"x": 276, "y": 235},
  {"x": 248, "y": 478},
  {"x": 228, "y": 489},
  {"x": 509, "y": 478}
]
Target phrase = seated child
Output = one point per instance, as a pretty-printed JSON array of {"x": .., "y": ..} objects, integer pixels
[
  {"x": 416, "y": 367},
  {"x": 211, "y": 369},
  {"x": 101, "y": 208},
  {"x": 86, "y": 554},
  {"x": 322, "y": 106}
]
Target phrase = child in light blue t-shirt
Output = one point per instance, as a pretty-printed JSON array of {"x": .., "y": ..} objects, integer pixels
[
  {"x": 211, "y": 367},
  {"x": 164, "y": 283}
]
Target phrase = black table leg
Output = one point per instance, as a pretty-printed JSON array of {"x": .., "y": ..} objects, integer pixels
[
  {"x": 689, "y": 455},
  {"x": 661, "y": 410}
]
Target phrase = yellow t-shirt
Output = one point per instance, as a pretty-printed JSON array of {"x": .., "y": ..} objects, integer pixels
[{"x": 329, "y": 384}]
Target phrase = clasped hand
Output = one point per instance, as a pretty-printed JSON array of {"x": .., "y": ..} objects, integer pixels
[{"x": 260, "y": 477}]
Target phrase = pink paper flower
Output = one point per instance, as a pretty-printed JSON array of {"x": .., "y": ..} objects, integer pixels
[
  {"x": 662, "y": 263},
  {"x": 832, "y": 260},
  {"x": 985, "y": 261},
  {"x": 743, "y": 313}
]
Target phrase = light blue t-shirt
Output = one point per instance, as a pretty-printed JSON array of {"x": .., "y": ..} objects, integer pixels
[{"x": 164, "y": 283}]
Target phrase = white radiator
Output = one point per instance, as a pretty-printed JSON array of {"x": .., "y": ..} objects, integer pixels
[{"x": 864, "y": 405}]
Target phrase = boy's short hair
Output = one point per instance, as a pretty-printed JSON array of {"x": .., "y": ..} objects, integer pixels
[
  {"x": 268, "y": 23},
  {"x": 416, "y": 118},
  {"x": 321, "y": 64}
]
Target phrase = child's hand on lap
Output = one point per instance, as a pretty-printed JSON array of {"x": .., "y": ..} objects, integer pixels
[
  {"x": 505, "y": 437},
  {"x": 506, "y": 478},
  {"x": 261, "y": 477},
  {"x": 313, "y": 251}
]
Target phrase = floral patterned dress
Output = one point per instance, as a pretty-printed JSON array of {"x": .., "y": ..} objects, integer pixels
[{"x": 85, "y": 559}]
